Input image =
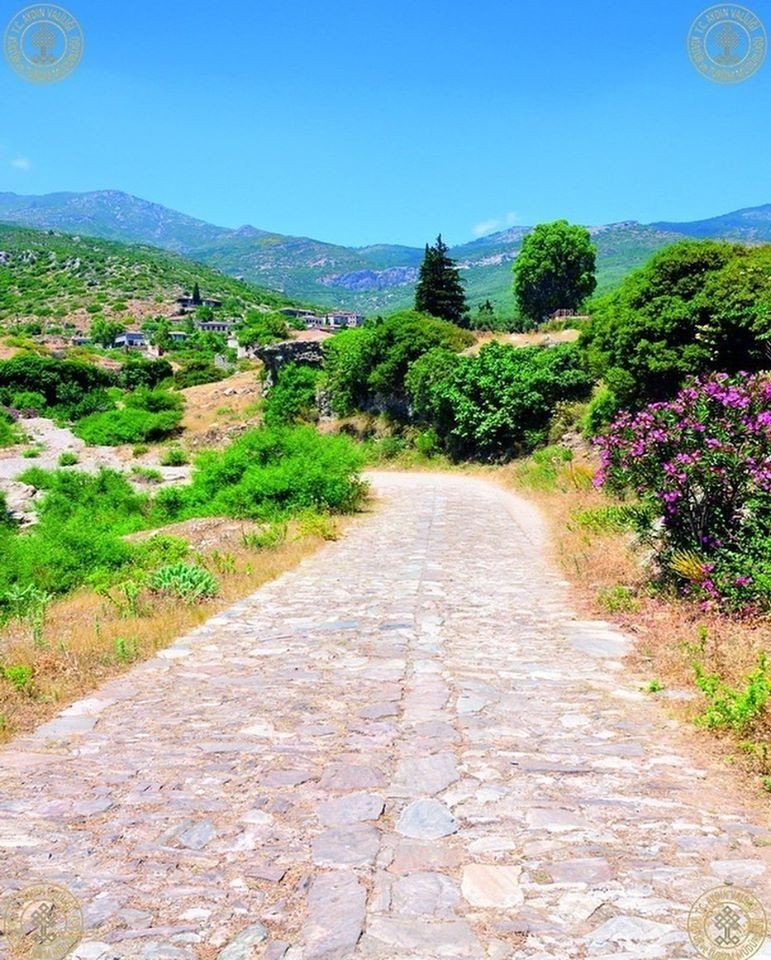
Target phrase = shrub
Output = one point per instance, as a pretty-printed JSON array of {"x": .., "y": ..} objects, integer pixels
[
  {"x": 293, "y": 396},
  {"x": 174, "y": 457},
  {"x": 68, "y": 458},
  {"x": 272, "y": 535},
  {"x": 702, "y": 464},
  {"x": 130, "y": 425},
  {"x": 366, "y": 368},
  {"x": 269, "y": 473},
  {"x": 20, "y": 677},
  {"x": 734, "y": 709},
  {"x": 185, "y": 581},
  {"x": 498, "y": 403}
]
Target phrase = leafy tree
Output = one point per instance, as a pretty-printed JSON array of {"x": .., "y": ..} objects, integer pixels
[
  {"x": 497, "y": 404},
  {"x": 555, "y": 270},
  {"x": 440, "y": 291},
  {"x": 697, "y": 306},
  {"x": 259, "y": 328},
  {"x": 293, "y": 397},
  {"x": 105, "y": 331},
  {"x": 366, "y": 368},
  {"x": 196, "y": 294}
]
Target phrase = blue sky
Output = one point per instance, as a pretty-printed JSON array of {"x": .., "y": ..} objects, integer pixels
[{"x": 359, "y": 122}]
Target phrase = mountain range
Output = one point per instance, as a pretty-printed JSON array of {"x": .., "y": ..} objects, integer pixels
[{"x": 372, "y": 278}]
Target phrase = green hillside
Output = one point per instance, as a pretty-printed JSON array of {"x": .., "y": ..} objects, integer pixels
[{"x": 50, "y": 275}]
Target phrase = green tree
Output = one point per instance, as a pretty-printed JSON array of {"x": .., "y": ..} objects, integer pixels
[
  {"x": 440, "y": 291},
  {"x": 196, "y": 293},
  {"x": 555, "y": 270},
  {"x": 105, "y": 331},
  {"x": 697, "y": 306}
]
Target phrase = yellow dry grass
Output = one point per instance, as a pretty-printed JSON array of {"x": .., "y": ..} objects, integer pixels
[
  {"x": 89, "y": 639},
  {"x": 213, "y": 406}
]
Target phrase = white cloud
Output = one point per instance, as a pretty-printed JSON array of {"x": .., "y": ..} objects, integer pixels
[
  {"x": 21, "y": 163},
  {"x": 486, "y": 226},
  {"x": 495, "y": 223}
]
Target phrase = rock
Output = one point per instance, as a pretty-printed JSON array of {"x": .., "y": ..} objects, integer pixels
[
  {"x": 353, "y": 846},
  {"x": 353, "y": 808},
  {"x": 425, "y": 894},
  {"x": 590, "y": 870},
  {"x": 425, "y": 776},
  {"x": 414, "y": 855},
  {"x": 240, "y": 948},
  {"x": 738, "y": 871},
  {"x": 492, "y": 885},
  {"x": 625, "y": 929},
  {"x": 345, "y": 777},
  {"x": 336, "y": 912},
  {"x": 555, "y": 821},
  {"x": 197, "y": 835},
  {"x": 92, "y": 950},
  {"x": 426, "y": 820},
  {"x": 423, "y": 938}
]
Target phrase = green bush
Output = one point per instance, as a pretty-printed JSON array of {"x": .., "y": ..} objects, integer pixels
[
  {"x": 174, "y": 457},
  {"x": 734, "y": 709},
  {"x": 293, "y": 396},
  {"x": 497, "y": 404},
  {"x": 130, "y": 425},
  {"x": 269, "y": 473},
  {"x": 20, "y": 677},
  {"x": 366, "y": 368},
  {"x": 185, "y": 581},
  {"x": 68, "y": 458}
]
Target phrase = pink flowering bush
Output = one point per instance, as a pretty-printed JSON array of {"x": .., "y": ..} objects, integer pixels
[{"x": 703, "y": 462}]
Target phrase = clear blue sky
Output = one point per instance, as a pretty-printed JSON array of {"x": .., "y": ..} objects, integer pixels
[{"x": 360, "y": 122}]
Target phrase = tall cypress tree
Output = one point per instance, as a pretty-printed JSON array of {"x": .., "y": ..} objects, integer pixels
[
  {"x": 440, "y": 290},
  {"x": 196, "y": 293}
]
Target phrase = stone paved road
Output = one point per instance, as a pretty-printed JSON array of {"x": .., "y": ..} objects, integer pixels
[{"x": 406, "y": 748}]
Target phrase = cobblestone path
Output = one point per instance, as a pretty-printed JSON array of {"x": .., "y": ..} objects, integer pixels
[{"x": 408, "y": 747}]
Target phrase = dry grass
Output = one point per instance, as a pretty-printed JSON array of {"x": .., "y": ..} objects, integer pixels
[
  {"x": 89, "y": 639},
  {"x": 670, "y": 634}
]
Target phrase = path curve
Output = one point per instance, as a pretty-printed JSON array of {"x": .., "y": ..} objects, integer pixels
[{"x": 408, "y": 747}]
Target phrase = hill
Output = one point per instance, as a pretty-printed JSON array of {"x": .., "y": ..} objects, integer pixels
[
  {"x": 371, "y": 278},
  {"x": 67, "y": 278}
]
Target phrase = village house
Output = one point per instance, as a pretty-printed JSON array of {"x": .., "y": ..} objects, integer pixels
[
  {"x": 131, "y": 339},
  {"x": 215, "y": 326}
]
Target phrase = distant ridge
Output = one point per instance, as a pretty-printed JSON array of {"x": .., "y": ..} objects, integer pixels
[{"x": 371, "y": 278}]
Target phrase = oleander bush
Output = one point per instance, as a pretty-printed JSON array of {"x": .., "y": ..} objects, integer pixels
[{"x": 702, "y": 464}]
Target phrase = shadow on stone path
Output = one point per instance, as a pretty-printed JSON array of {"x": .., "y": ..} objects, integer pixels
[{"x": 405, "y": 748}]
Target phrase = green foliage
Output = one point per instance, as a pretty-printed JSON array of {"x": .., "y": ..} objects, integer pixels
[
  {"x": 70, "y": 388},
  {"x": 185, "y": 581},
  {"x": 734, "y": 709},
  {"x": 439, "y": 291},
  {"x": 366, "y": 368},
  {"x": 269, "y": 473},
  {"x": 555, "y": 270},
  {"x": 293, "y": 397},
  {"x": 174, "y": 457},
  {"x": 20, "y": 677},
  {"x": 259, "y": 328},
  {"x": 697, "y": 306},
  {"x": 602, "y": 409},
  {"x": 271, "y": 535},
  {"x": 617, "y": 599},
  {"x": 154, "y": 400},
  {"x": 197, "y": 371},
  {"x": 105, "y": 331},
  {"x": 616, "y": 517},
  {"x": 140, "y": 372},
  {"x": 129, "y": 425},
  {"x": 126, "y": 649},
  {"x": 68, "y": 458},
  {"x": 312, "y": 523},
  {"x": 497, "y": 404},
  {"x": 10, "y": 433}
]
